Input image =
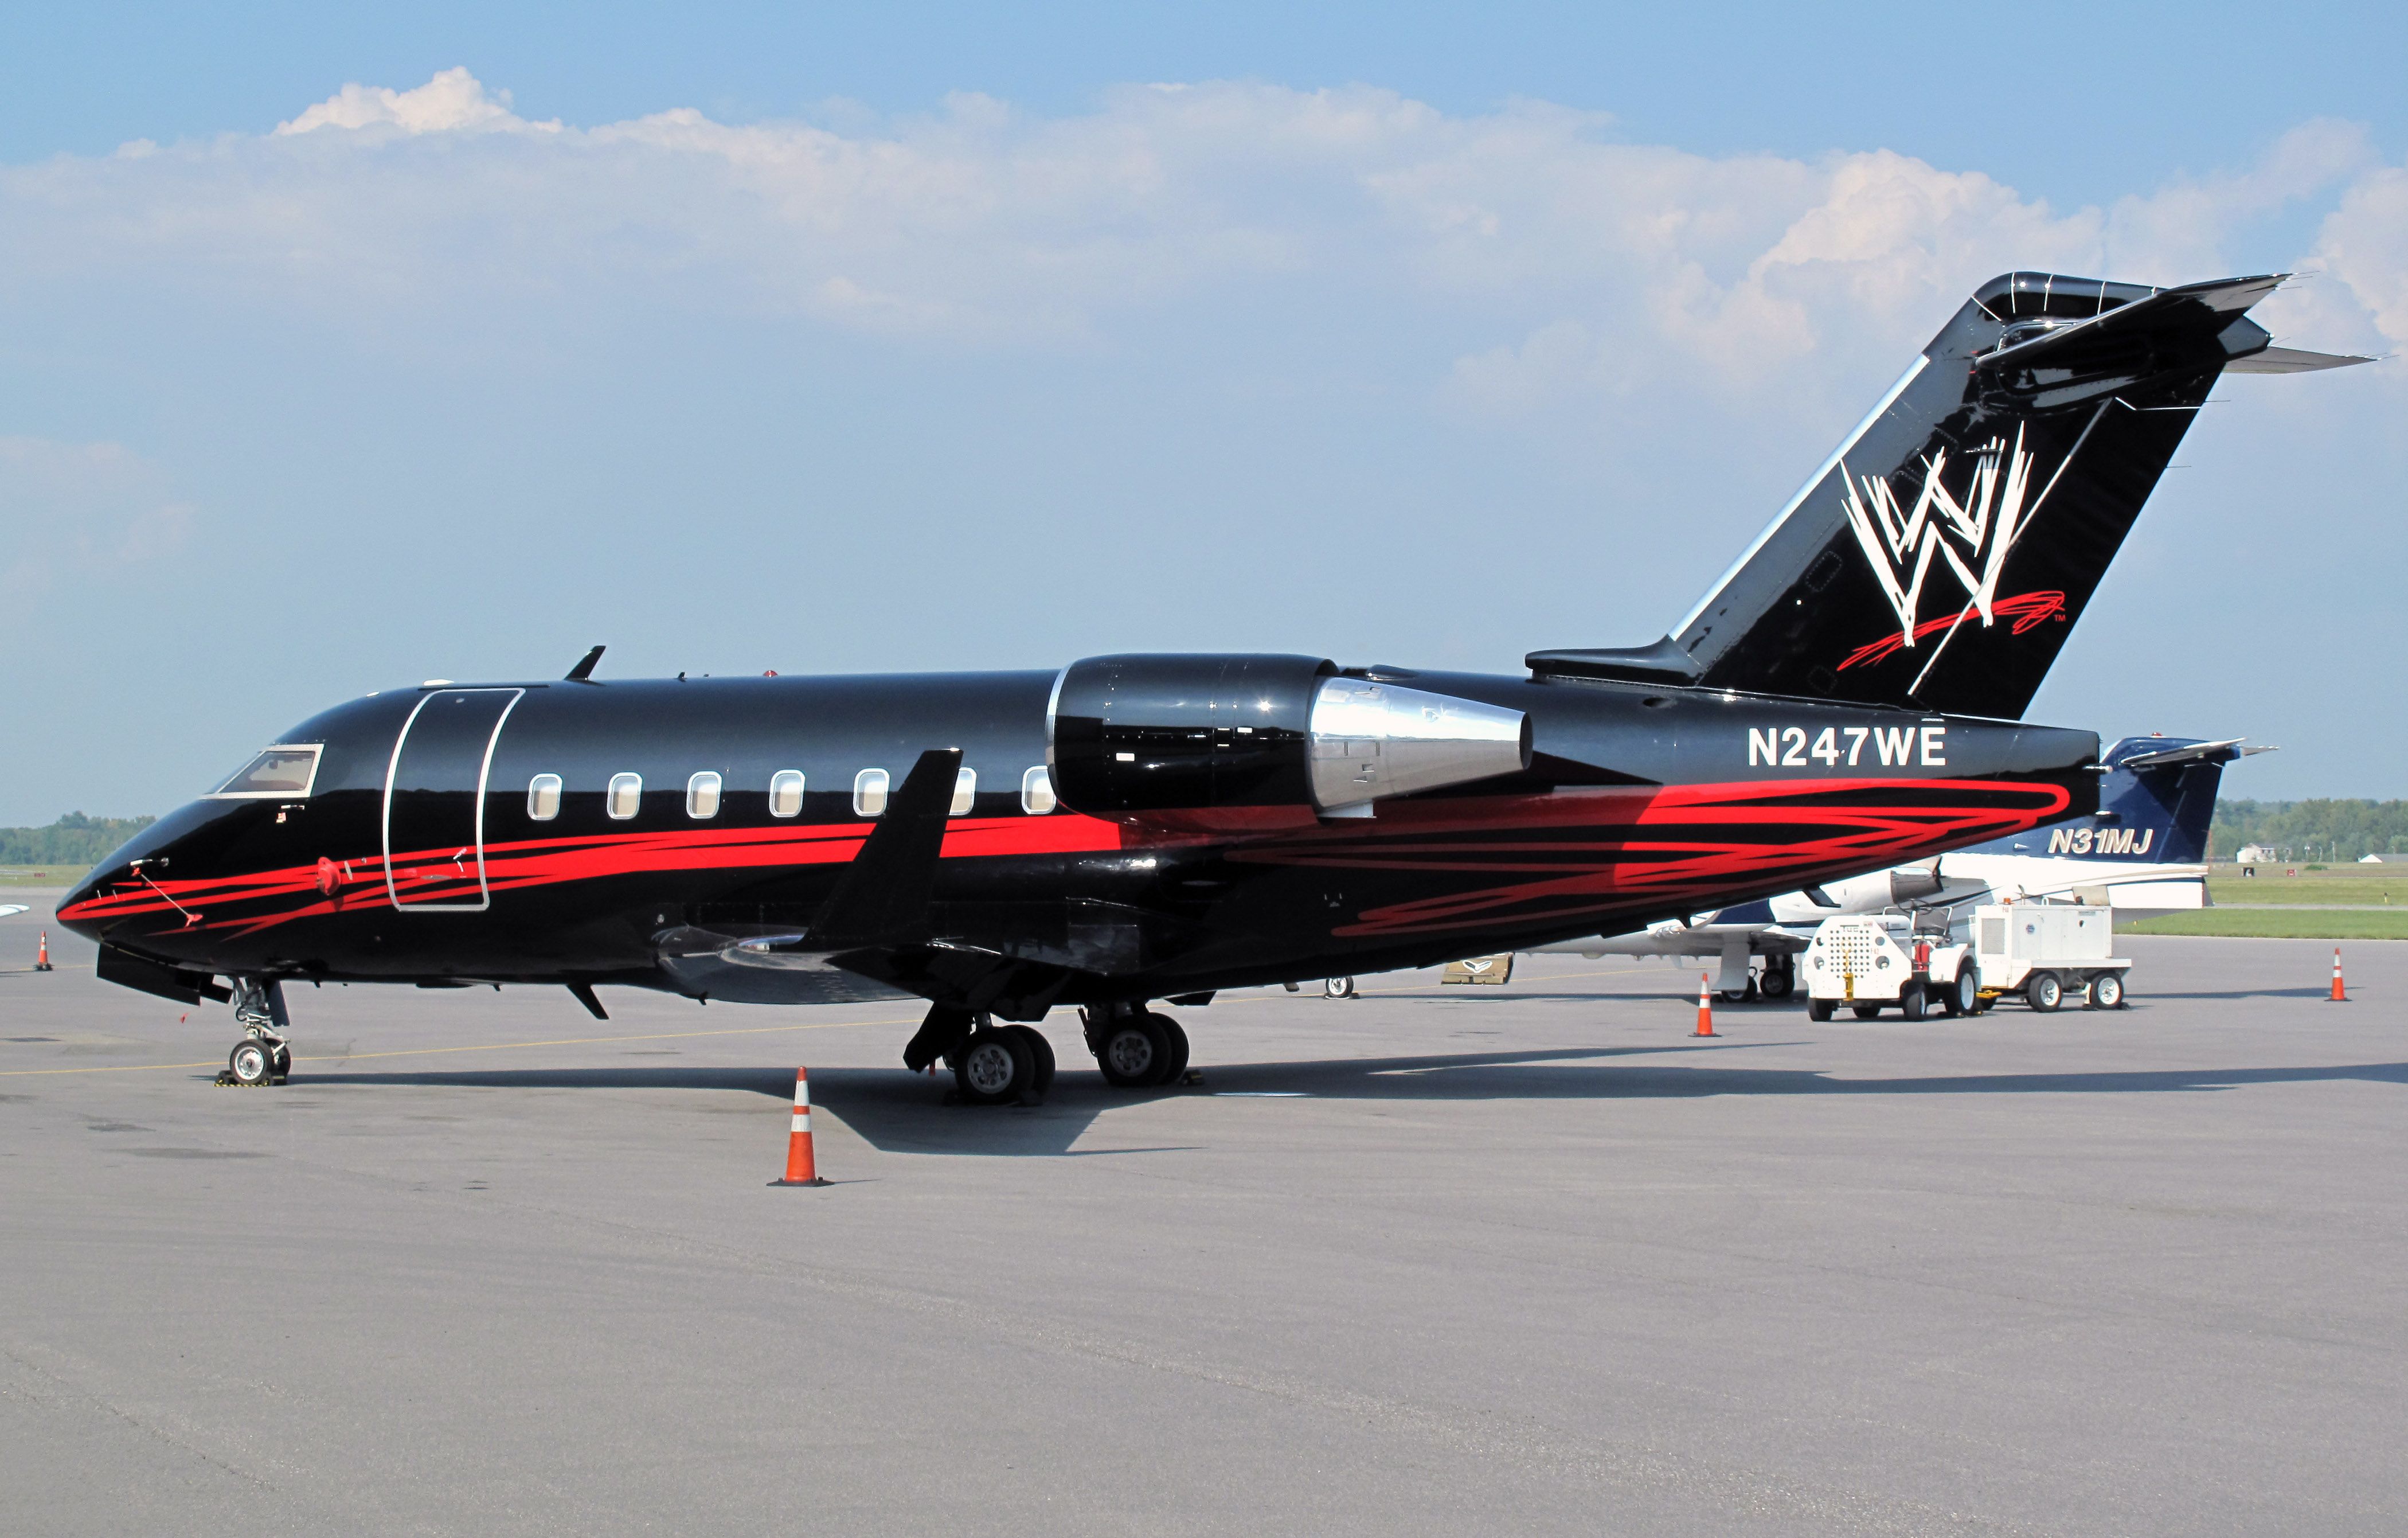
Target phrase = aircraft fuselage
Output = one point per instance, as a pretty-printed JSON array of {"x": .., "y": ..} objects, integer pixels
[{"x": 426, "y": 848}]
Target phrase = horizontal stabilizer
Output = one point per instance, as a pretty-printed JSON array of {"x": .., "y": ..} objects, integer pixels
[
  {"x": 2194, "y": 753},
  {"x": 2291, "y": 360}
]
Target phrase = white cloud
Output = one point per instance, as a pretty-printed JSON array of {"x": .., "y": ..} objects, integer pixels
[
  {"x": 2365, "y": 245},
  {"x": 1564, "y": 260},
  {"x": 452, "y": 102}
]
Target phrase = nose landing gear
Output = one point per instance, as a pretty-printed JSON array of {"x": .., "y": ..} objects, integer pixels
[{"x": 262, "y": 1056}]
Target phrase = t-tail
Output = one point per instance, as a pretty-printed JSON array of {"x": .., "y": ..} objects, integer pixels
[
  {"x": 2155, "y": 804},
  {"x": 1941, "y": 557}
]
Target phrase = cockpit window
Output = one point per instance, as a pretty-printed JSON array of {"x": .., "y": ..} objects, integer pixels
[{"x": 285, "y": 769}]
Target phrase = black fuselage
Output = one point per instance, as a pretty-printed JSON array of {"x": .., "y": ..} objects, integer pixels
[{"x": 1637, "y": 804}]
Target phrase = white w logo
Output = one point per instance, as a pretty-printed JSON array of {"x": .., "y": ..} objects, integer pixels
[{"x": 1987, "y": 522}]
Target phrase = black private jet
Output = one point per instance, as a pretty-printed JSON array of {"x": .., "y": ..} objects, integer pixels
[{"x": 1141, "y": 829}]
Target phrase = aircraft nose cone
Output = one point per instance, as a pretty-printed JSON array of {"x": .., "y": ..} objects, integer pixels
[
  {"x": 111, "y": 893},
  {"x": 75, "y": 909}
]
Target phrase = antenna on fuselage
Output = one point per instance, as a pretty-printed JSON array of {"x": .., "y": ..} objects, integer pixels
[{"x": 583, "y": 671}]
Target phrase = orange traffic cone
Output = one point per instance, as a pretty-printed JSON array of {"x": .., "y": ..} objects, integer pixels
[
  {"x": 801, "y": 1168},
  {"x": 2338, "y": 996},
  {"x": 1705, "y": 1007},
  {"x": 42, "y": 957}
]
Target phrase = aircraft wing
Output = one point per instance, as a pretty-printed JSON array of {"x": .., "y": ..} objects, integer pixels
[{"x": 9, "y": 910}]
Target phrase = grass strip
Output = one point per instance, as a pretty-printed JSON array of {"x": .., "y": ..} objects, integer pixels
[{"x": 2274, "y": 924}]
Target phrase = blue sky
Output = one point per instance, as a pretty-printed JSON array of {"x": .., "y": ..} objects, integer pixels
[{"x": 338, "y": 352}]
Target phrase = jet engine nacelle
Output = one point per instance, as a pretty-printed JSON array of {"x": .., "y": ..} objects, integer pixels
[
  {"x": 1913, "y": 883},
  {"x": 1172, "y": 733}
]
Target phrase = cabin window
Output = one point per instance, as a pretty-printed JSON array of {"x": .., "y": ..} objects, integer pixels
[
  {"x": 869, "y": 792},
  {"x": 964, "y": 792},
  {"x": 285, "y": 769},
  {"x": 786, "y": 793},
  {"x": 1037, "y": 791},
  {"x": 543, "y": 797},
  {"x": 627, "y": 795},
  {"x": 702, "y": 795}
]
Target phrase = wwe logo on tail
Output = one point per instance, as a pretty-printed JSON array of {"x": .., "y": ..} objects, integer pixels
[{"x": 1986, "y": 522}]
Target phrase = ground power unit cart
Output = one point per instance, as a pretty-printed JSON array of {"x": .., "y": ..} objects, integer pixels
[{"x": 1961, "y": 964}]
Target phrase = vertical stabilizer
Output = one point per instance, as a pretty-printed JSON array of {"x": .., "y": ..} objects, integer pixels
[{"x": 1938, "y": 559}]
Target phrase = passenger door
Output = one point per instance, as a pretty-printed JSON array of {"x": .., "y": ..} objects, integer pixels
[{"x": 434, "y": 800}]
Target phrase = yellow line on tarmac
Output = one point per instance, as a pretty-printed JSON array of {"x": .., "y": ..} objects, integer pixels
[{"x": 483, "y": 1046}]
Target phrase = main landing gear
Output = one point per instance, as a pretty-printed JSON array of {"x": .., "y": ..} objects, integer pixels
[
  {"x": 1010, "y": 1064},
  {"x": 262, "y": 1056},
  {"x": 992, "y": 1064},
  {"x": 1004, "y": 1064},
  {"x": 1136, "y": 1048},
  {"x": 1780, "y": 978}
]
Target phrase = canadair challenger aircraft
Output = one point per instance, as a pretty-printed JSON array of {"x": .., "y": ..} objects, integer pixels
[{"x": 1142, "y": 827}]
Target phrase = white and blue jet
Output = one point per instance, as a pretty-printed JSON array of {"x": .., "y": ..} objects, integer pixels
[{"x": 2142, "y": 854}]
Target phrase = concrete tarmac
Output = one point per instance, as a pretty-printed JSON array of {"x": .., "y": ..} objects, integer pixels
[{"x": 1451, "y": 1260}]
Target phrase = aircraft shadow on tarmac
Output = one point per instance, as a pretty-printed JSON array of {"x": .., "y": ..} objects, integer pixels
[
  {"x": 902, "y": 1112},
  {"x": 2319, "y": 992}
]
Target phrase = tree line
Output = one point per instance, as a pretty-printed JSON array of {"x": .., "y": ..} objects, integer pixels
[
  {"x": 73, "y": 840},
  {"x": 2323, "y": 830}
]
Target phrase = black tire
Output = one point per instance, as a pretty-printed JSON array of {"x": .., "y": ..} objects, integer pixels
[
  {"x": 2107, "y": 991},
  {"x": 1041, "y": 1051},
  {"x": 1864, "y": 1012},
  {"x": 1910, "y": 1001},
  {"x": 2043, "y": 991},
  {"x": 1133, "y": 1052},
  {"x": 1338, "y": 987},
  {"x": 1176, "y": 1035},
  {"x": 1818, "y": 1009},
  {"x": 993, "y": 1067},
  {"x": 252, "y": 1061},
  {"x": 1963, "y": 994},
  {"x": 1778, "y": 985}
]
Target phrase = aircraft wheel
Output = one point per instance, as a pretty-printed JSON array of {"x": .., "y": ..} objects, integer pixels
[
  {"x": 993, "y": 1067},
  {"x": 1864, "y": 1012},
  {"x": 1176, "y": 1035},
  {"x": 283, "y": 1068},
  {"x": 1818, "y": 1009},
  {"x": 1778, "y": 985},
  {"x": 2043, "y": 991},
  {"x": 2107, "y": 991},
  {"x": 1910, "y": 1001},
  {"x": 1133, "y": 1052},
  {"x": 1338, "y": 987},
  {"x": 1963, "y": 995},
  {"x": 1737, "y": 996},
  {"x": 251, "y": 1062},
  {"x": 1042, "y": 1052}
]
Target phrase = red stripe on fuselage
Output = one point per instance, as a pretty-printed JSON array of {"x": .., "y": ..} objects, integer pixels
[
  {"x": 1666, "y": 853},
  {"x": 432, "y": 875}
]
